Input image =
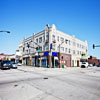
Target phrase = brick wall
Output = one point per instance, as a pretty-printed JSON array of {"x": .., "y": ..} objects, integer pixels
[{"x": 65, "y": 59}]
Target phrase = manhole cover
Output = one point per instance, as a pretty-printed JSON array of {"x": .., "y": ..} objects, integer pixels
[
  {"x": 45, "y": 78},
  {"x": 15, "y": 85}
]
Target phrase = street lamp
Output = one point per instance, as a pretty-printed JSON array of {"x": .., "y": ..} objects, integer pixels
[
  {"x": 95, "y": 46},
  {"x": 5, "y": 31}
]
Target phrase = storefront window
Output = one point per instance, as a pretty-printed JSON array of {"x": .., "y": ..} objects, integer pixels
[{"x": 62, "y": 39}]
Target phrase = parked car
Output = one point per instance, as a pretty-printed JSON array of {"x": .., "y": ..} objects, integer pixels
[
  {"x": 5, "y": 64},
  {"x": 19, "y": 64},
  {"x": 98, "y": 65},
  {"x": 84, "y": 65},
  {"x": 90, "y": 65},
  {"x": 14, "y": 65}
]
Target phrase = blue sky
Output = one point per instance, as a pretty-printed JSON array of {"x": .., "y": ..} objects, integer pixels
[{"x": 24, "y": 17}]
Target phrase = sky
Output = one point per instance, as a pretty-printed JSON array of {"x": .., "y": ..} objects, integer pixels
[{"x": 74, "y": 17}]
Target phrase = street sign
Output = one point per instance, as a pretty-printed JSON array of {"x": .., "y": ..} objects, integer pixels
[
  {"x": 54, "y": 53},
  {"x": 46, "y": 53},
  {"x": 83, "y": 54},
  {"x": 38, "y": 50},
  {"x": 51, "y": 46}
]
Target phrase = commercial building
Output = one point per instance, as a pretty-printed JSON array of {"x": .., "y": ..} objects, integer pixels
[{"x": 53, "y": 48}]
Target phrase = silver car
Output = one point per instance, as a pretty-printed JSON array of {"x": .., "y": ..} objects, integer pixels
[{"x": 14, "y": 65}]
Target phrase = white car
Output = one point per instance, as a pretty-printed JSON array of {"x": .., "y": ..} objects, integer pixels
[
  {"x": 19, "y": 64},
  {"x": 84, "y": 64}
]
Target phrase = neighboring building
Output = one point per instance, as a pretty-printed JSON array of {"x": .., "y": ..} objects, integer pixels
[
  {"x": 12, "y": 58},
  {"x": 53, "y": 48},
  {"x": 17, "y": 57},
  {"x": 4, "y": 56},
  {"x": 93, "y": 60}
]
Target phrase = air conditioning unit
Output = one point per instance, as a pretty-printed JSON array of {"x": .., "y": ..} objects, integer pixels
[{"x": 54, "y": 41}]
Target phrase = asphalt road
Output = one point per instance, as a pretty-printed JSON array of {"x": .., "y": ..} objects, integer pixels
[{"x": 30, "y": 83}]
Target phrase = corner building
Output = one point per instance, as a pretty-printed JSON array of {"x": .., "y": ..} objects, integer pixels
[{"x": 53, "y": 48}]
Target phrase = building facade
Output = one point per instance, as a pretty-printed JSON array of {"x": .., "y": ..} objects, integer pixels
[{"x": 52, "y": 48}]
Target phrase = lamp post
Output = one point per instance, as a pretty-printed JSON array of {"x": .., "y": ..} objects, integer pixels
[{"x": 5, "y": 31}]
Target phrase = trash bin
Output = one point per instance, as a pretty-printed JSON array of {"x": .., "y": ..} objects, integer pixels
[{"x": 62, "y": 66}]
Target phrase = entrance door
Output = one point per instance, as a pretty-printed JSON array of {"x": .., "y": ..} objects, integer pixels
[
  {"x": 27, "y": 61},
  {"x": 77, "y": 63},
  {"x": 72, "y": 63},
  {"x": 55, "y": 63},
  {"x": 37, "y": 61}
]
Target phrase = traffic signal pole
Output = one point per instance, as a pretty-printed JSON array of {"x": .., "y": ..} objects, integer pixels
[{"x": 95, "y": 46}]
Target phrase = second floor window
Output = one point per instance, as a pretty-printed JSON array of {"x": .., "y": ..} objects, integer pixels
[
  {"x": 36, "y": 40},
  {"x": 62, "y": 39},
  {"x": 77, "y": 44},
  {"x": 65, "y": 50},
  {"x": 69, "y": 50},
  {"x": 40, "y": 48},
  {"x": 53, "y": 37},
  {"x": 78, "y": 52},
  {"x": 58, "y": 48},
  {"x": 73, "y": 51},
  {"x": 58, "y": 38},
  {"x": 62, "y": 49},
  {"x": 40, "y": 39},
  {"x": 74, "y": 43},
  {"x": 69, "y": 42},
  {"x": 53, "y": 46},
  {"x": 66, "y": 41},
  {"x": 47, "y": 37}
]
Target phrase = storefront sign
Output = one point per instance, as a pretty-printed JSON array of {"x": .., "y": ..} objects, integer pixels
[
  {"x": 46, "y": 53},
  {"x": 54, "y": 53}
]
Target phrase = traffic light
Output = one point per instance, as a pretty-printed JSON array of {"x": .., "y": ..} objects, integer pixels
[
  {"x": 93, "y": 46},
  {"x": 37, "y": 48}
]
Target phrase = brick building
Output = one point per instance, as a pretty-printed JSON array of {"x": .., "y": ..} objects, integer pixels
[{"x": 93, "y": 60}]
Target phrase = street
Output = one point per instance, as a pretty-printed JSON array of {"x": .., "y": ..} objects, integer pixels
[{"x": 33, "y": 83}]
